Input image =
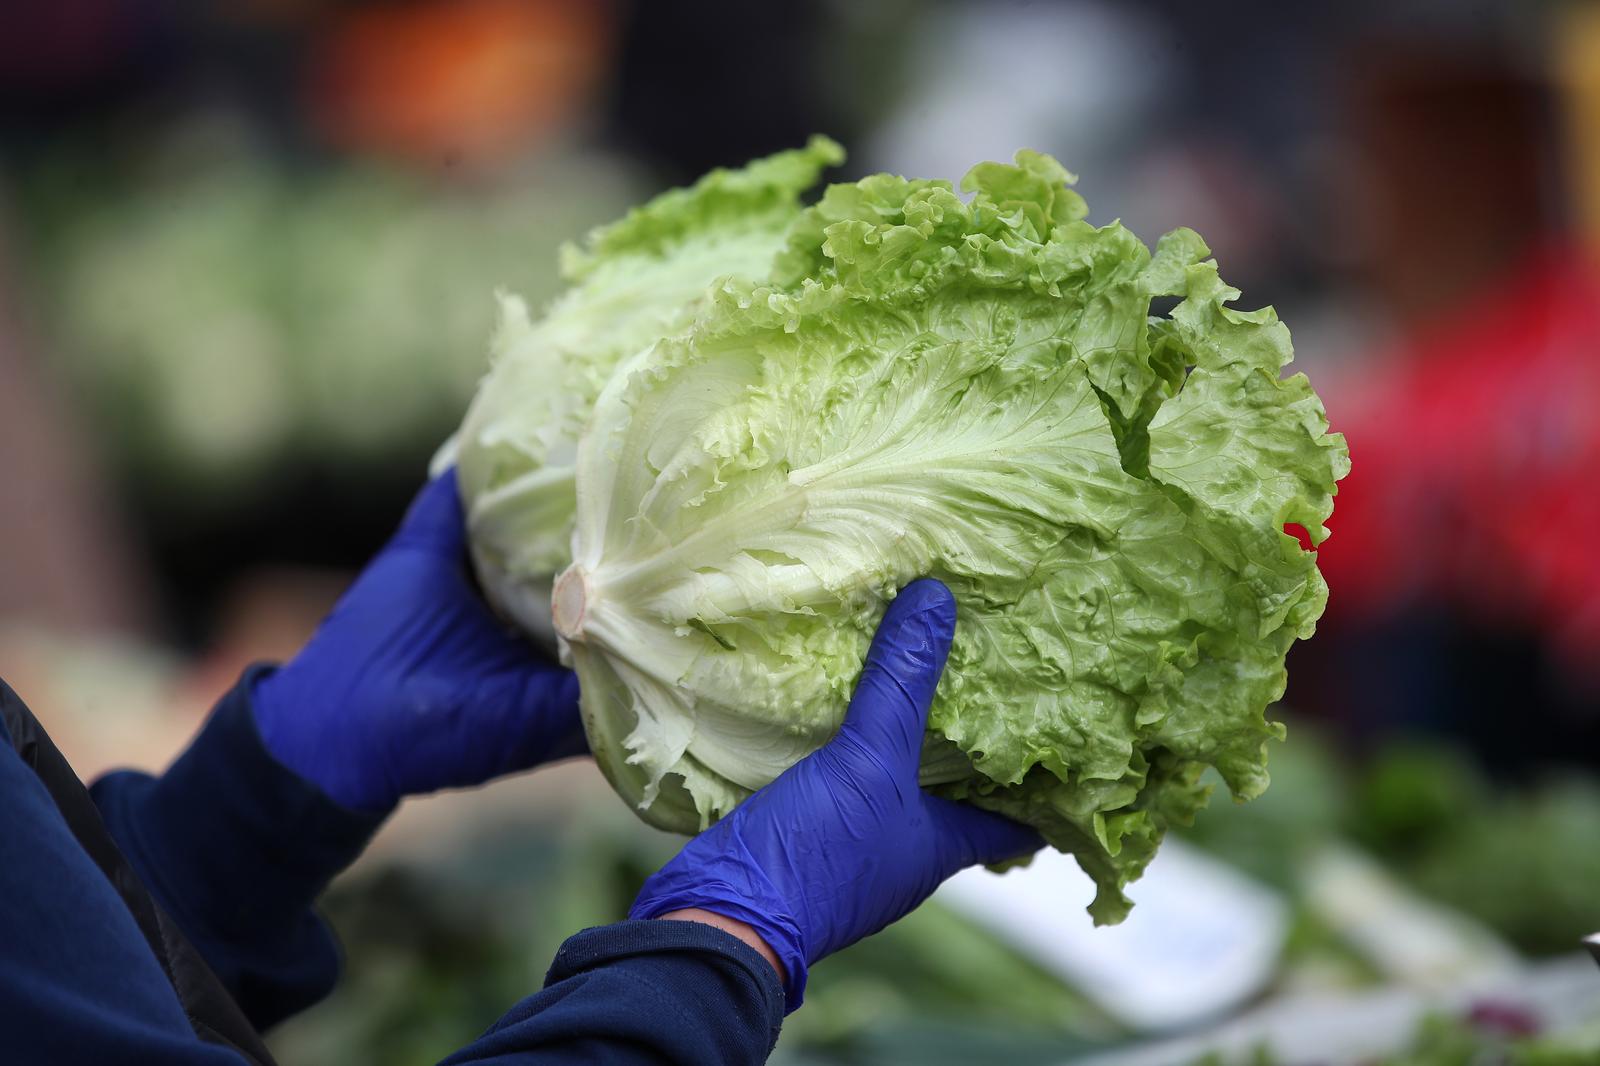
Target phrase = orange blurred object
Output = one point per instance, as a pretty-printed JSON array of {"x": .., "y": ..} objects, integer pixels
[{"x": 467, "y": 82}]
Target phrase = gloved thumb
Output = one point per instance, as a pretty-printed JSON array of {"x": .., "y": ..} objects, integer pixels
[{"x": 889, "y": 711}]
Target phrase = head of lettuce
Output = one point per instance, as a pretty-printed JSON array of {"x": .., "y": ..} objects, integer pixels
[{"x": 902, "y": 382}]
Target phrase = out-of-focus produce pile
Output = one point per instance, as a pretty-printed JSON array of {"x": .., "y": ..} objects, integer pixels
[
  {"x": 1485, "y": 1036},
  {"x": 226, "y": 318},
  {"x": 1505, "y": 855}
]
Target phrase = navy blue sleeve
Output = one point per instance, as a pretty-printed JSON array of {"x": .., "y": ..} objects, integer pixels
[
  {"x": 78, "y": 982},
  {"x": 642, "y": 992},
  {"x": 237, "y": 848}
]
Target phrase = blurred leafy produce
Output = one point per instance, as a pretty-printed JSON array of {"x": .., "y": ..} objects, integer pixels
[
  {"x": 1524, "y": 861},
  {"x": 227, "y": 314},
  {"x": 1485, "y": 1037},
  {"x": 1518, "y": 857}
]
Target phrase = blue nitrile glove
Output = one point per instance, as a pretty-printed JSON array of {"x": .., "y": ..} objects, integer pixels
[
  {"x": 411, "y": 684},
  {"x": 845, "y": 841}
]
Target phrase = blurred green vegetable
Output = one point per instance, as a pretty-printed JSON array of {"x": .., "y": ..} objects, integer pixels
[
  {"x": 225, "y": 317},
  {"x": 1523, "y": 860},
  {"x": 1519, "y": 858},
  {"x": 1478, "y": 1039}
]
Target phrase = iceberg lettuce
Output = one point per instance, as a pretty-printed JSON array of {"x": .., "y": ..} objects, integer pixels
[{"x": 971, "y": 389}]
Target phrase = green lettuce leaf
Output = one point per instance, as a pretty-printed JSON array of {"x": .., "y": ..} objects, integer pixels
[
  {"x": 633, "y": 282},
  {"x": 976, "y": 391}
]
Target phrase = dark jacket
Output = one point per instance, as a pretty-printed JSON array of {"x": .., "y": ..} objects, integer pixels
[{"x": 163, "y": 920}]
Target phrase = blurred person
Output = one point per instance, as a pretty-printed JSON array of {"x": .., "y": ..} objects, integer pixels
[
  {"x": 169, "y": 919},
  {"x": 1462, "y": 580}
]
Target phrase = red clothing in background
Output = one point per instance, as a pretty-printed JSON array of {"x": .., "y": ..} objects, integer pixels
[{"x": 1476, "y": 463}]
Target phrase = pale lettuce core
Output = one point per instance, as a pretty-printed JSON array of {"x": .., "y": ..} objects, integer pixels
[
  {"x": 633, "y": 282},
  {"x": 918, "y": 385}
]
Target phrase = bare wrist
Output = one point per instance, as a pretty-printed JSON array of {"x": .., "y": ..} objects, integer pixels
[{"x": 731, "y": 926}]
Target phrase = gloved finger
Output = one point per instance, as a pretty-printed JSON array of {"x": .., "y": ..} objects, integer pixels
[
  {"x": 976, "y": 836},
  {"x": 889, "y": 710},
  {"x": 434, "y": 523},
  {"x": 554, "y": 701}
]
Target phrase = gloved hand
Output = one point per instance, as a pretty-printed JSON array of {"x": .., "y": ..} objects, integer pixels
[
  {"x": 845, "y": 841},
  {"x": 411, "y": 684}
]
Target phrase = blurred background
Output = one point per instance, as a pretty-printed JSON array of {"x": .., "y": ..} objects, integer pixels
[{"x": 247, "y": 251}]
